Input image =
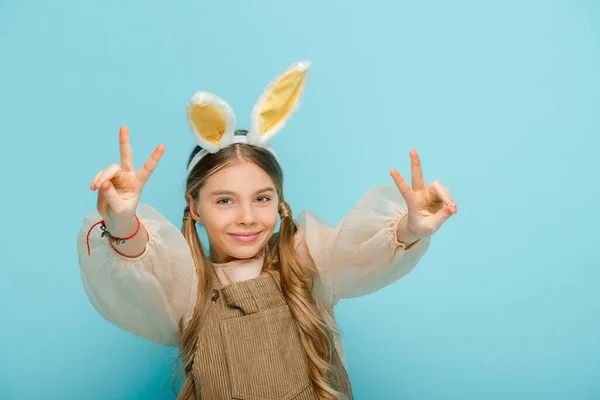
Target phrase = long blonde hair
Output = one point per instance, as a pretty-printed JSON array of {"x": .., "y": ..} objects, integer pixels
[{"x": 296, "y": 279}]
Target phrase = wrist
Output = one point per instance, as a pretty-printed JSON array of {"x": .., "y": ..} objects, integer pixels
[
  {"x": 131, "y": 239},
  {"x": 403, "y": 234},
  {"x": 121, "y": 227}
]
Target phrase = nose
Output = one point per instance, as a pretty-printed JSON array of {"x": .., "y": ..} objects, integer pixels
[{"x": 245, "y": 215}]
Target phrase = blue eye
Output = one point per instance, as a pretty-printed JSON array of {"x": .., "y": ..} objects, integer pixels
[
  {"x": 222, "y": 200},
  {"x": 263, "y": 197}
]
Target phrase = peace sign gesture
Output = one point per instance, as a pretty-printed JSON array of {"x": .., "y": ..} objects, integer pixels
[
  {"x": 119, "y": 186},
  {"x": 429, "y": 206}
]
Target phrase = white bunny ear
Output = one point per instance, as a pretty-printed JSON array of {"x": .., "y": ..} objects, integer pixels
[
  {"x": 278, "y": 103},
  {"x": 212, "y": 121}
]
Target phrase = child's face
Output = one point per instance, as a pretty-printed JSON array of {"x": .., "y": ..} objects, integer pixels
[{"x": 238, "y": 208}]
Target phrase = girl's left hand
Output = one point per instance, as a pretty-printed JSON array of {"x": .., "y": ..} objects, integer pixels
[{"x": 429, "y": 206}]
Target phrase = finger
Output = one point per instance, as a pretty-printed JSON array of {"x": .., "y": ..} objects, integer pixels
[
  {"x": 93, "y": 184},
  {"x": 402, "y": 185},
  {"x": 442, "y": 216},
  {"x": 107, "y": 196},
  {"x": 441, "y": 192},
  {"x": 113, "y": 171},
  {"x": 418, "y": 183},
  {"x": 149, "y": 166},
  {"x": 125, "y": 148}
]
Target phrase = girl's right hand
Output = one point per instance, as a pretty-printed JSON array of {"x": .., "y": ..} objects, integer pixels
[{"x": 120, "y": 187}]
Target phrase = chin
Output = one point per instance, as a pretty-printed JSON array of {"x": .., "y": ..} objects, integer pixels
[{"x": 245, "y": 253}]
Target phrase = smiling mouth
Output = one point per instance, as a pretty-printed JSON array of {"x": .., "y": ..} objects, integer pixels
[{"x": 245, "y": 237}]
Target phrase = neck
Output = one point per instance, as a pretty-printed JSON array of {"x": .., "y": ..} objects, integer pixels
[{"x": 216, "y": 258}]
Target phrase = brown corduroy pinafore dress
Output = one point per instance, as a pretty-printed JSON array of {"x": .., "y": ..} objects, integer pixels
[{"x": 249, "y": 347}]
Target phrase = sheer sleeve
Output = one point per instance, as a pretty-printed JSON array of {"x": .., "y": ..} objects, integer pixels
[
  {"x": 148, "y": 295},
  {"x": 362, "y": 253}
]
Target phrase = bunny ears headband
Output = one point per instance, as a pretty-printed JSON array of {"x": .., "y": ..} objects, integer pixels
[{"x": 212, "y": 121}]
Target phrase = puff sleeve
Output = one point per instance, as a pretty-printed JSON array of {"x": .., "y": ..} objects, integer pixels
[
  {"x": 148, "y": 295},
  {"x": 362, "y": 253}
]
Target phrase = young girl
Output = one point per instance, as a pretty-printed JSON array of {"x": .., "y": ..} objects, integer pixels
[{"x": 253, "y": 318}]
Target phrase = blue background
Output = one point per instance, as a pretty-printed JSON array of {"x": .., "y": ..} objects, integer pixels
[{"x": 500, "y": 99}]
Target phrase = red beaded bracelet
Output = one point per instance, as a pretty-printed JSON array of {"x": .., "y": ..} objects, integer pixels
[{"x": 107, "y": 234}]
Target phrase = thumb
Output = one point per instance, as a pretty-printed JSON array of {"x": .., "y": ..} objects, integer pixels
[{"x": 108, "y": 197}]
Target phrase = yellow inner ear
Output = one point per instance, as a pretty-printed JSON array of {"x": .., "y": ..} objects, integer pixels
[
  {"x": 280, "y": 100},
  {"x": 209, "y": 121}
]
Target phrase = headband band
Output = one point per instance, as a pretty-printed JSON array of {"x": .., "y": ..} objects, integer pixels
[{"x": 203, "y": 152}]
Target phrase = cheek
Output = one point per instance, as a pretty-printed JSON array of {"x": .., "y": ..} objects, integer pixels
[
  {"x": 269, "y": 218},
  {"x": 216, "y": 221}
]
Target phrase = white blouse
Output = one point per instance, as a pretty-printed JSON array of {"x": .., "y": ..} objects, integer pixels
[{"x": 148, "y": 295}]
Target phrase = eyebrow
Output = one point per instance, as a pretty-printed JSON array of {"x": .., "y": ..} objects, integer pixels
[{"x": 230, "y": 193}]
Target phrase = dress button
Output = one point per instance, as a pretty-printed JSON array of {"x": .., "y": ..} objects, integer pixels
[{"x": 215, "y": 296}]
